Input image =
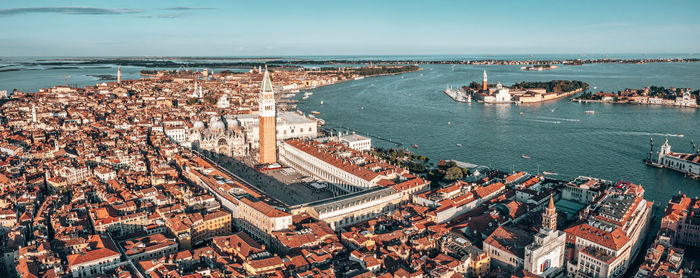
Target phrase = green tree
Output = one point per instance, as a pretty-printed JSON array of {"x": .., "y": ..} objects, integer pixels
[{"x": 454, "y": 173}]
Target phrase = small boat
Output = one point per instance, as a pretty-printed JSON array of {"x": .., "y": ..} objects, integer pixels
[
  {"x": 322, "y": 102},
  {"x": 525, "y": 156},
  {"x": 414, "y": 146},
  {"x": 681, "y": 135},
  {"x": 589, "y": 112},
  {"x": 305, "y": 98},
  {"x": 449, "y": 123},
  {"x": 363, "y": 108},
  {"x": 459, "y": 145},
  {"x": 521, "y": 113},
  {"x": 547, "y": 173},
  {"x": 315, "y": 112}
]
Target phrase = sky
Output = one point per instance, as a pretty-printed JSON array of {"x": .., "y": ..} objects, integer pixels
[{"x": 362, "y": 27}]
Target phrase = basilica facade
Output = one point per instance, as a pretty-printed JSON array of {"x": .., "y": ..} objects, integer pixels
[{"x": 219, "y": 138}]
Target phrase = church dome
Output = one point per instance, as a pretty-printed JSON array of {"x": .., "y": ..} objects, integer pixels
[
  {"x": 215, "y": 124},
  {"x": 198, "y": 125}
]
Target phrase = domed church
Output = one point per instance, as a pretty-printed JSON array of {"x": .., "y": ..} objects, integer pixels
[{"x": 218, "y": 138}]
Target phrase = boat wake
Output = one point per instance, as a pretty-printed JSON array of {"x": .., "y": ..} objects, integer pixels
[
  {"x": 545, "y": 121},
  {"x": 643, "y": 133},
  {"x": 559, "y": 119}
]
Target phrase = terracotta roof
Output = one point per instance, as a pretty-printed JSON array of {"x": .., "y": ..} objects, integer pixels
[{"x": 614, "y": 240}]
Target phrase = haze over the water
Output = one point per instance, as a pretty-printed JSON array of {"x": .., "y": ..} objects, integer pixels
[{"x": 264, "y": 28}]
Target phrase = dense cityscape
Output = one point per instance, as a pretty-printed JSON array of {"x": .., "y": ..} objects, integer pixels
[
  {"x": 138, "y": 177},
  {"x": 364, "y": 139}
]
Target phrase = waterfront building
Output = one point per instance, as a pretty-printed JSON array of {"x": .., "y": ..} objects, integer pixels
[
  {"x": 356, "y": 142},
  {"x": 681, "y": 221},
  {"x": 502, "y": 94},
  {"x": 686, "y": 99},
  {"x": 613, "y": 234},
  {"x": 662, "y": 260},
  {"x": 687, "y": 163},
  {"x": 267, "y": 121},
  {"x": 584, "y": 190}
]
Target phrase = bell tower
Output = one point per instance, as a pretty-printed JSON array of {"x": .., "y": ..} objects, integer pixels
[
  {"x": 484, "y": 84},
  {"x": 267, "y": 117},
  {"x": 549, "y": 216}
]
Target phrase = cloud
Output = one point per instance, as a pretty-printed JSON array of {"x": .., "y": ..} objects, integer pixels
[
  {"x": 185, "y": 8},
  {"x": 65, "y": 10},
  {"x": 178, "y": 15}
]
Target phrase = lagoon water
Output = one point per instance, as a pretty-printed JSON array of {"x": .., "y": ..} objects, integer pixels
[{"x": 558, "y": 136}]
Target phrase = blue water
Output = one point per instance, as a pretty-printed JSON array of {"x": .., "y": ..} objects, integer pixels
[{"x": 558, "y": 136}]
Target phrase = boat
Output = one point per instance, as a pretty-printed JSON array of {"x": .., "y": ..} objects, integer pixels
[
  {"x": 521, "y": 113},
  {"x": 589, "y": 112},
  {"x": 459, "y": 145},
  {"x": 305, "y": 98},
  {"x": 547, "y": 173},
  {"x": 322, "y": 102},
  {"x": 525, "y": 156},
  {"x": 414, "y": 146},
  {"x": 363, "y": 108},
  {"x": 359, "y": 78},
  {"x": 308, "y": 94},
  {"x": 449, "y": 123},
  {"x": 315, "y": 112}
]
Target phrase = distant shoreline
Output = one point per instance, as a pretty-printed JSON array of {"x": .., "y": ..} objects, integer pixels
[{"x": 290, "y": 62}]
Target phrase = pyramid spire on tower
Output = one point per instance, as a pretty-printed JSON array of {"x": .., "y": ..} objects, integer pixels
[
  {"x": 549, "y": 216},
  {"x": 551, "y": 202},
  {"x": 267, "y": 83}
]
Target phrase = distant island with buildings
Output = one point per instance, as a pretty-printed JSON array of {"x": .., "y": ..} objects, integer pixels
[
  {"x": 523, "y": 92},
  {"x": 222, "y": 62},
  {"x": 653, "y": 95}
]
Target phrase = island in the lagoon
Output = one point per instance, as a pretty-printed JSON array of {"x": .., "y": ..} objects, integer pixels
[
  {"x": 653, "y": 95},
  {"x": 538, "y": 67},
  {"x": 522, "y": 92}
]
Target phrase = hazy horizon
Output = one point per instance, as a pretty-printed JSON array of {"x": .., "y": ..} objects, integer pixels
[{"x": 366, "y": 28}]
